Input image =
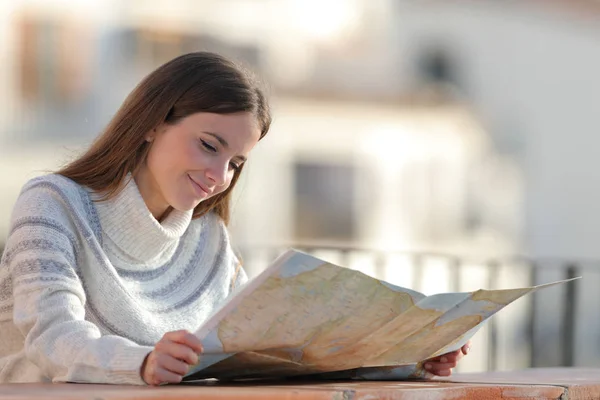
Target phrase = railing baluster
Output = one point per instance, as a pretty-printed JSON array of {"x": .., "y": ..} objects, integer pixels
[
  {"x": 380, "y": 265},
  {"x": 455, "y": 269},
  {"x": 532, "y": 316},
  {"x": 417, "y": 272},
  {"x": 568, "y": 328},
  {"x": 344, "y": 258},
  {"x": 493, "y": 275}
]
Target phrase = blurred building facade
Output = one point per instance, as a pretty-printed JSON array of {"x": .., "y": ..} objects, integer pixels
[
  {"x": 462, "y": 127},
  {"x": 402, "y": 161}
]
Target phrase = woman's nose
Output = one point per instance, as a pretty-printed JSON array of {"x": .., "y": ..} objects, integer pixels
[{"x": 217, "y": 173}]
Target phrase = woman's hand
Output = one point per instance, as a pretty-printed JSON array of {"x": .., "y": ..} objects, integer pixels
[
  {"x": 171, "y": 358},
  {"x": 442, "y": 365}
]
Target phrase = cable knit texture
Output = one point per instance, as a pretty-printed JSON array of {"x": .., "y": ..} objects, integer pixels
[{"x": 87, "y": 287}]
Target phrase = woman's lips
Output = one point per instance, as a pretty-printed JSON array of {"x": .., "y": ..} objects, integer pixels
[{"x": 199, "y": 189}]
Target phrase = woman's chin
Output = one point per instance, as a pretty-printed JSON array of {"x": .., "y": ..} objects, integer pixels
[
  {"x": 186, "y": 202},
  {"x": 186, "y": 205}
]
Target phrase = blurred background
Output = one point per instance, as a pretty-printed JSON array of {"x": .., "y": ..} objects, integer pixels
[{"x": 440, "y": 145}]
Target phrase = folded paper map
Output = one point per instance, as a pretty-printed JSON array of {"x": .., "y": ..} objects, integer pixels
[{"x": 305, "y": 316}]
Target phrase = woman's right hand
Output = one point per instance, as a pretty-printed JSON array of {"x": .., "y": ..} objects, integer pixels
[{"x": 171, "y": 358}]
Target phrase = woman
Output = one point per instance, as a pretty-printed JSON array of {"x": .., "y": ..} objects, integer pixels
[{"x": 110, "y": 258}]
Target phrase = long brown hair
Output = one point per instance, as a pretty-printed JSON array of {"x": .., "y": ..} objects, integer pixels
[{"x": 191, "y": 83}]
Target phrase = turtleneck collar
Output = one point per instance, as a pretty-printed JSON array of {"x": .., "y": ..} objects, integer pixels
[{"x": 128, "y": 222}]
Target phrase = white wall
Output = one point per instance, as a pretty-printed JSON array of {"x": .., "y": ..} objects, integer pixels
[
  {"x": 400, "y": 203},
  {"x": 8, "y": 78},
  {"x": 533, "y": 75}
]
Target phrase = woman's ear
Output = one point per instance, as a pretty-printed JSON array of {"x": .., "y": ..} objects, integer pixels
[{"x": 150, "y": 136}]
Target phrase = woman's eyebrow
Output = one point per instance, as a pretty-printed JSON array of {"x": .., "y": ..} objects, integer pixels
[
  {"x": 219, "y": 138},
  {"x": 225, "y": 144}
]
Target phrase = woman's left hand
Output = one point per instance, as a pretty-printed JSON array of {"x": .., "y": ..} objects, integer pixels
[{"x": 442, "y": 365}]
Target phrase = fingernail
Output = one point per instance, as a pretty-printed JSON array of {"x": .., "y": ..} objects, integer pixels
[
  {"x": 427, "y": 366},
  {"x": 443, "y": 359}
]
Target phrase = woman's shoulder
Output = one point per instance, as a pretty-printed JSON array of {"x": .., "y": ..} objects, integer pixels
[
  {"x": 52, "y": 186},
  {"x": 50, "y": 194},
  {"x": 53, "y": 181}
]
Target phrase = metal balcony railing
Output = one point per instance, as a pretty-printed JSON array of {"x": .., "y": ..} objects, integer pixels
[{"x": 541, "y": 317}]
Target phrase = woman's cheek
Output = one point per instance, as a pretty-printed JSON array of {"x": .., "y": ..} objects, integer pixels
[
  {"x": 227, "y": 184},
  {"x": 196, "y": 157}
]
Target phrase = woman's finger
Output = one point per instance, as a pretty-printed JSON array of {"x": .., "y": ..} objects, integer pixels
[
  {"x": 436, "y": 366},
  {"x": 186, "y": 338},
  {"x": 451, "y": 358},
  {"x": 442, "y": 372},
  {"x": 448, "y": 357},
  {"x": 465, "y": 349},
  {"x": 179, "y": 351},
  {"x": 442, "y": 365},
  {"x": 161, "y": 376},
  {"x": 438, "y": 369},
  {"x": 169, "y": 363},
  {"x": 193, "y": 342}
]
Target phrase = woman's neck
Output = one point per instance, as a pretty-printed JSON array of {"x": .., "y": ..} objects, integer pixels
[{"x": 151, "y": 194}]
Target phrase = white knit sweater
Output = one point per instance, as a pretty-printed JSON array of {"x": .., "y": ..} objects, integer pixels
[{"x": 87, "y": 288}]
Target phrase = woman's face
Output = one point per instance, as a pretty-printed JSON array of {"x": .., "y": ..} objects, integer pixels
[{"x": 194, "y": 159}]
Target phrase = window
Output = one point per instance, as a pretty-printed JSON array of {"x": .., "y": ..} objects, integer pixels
[
  {"x": 53, "y": 62},
  {"x": 436, "y": 65},
  {"x": 324, "y": 196}
]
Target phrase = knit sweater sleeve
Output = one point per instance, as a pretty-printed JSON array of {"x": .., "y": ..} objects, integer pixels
[{"x": 49, "y": 298}]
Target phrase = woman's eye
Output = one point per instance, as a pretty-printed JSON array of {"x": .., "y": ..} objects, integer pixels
[{"x": 208, "y": 146}]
